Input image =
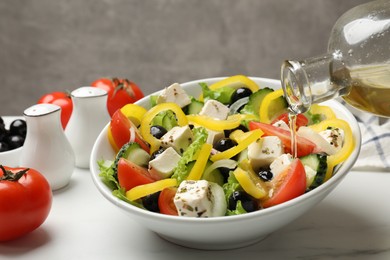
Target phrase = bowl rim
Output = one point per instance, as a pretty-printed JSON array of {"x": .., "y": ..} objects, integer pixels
[{"x": 342, "y": 169}]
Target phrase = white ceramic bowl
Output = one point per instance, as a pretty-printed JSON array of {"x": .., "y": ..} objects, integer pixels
[
  {"x": 10, "y": 158},
  {"x": 224, "y": 232}
]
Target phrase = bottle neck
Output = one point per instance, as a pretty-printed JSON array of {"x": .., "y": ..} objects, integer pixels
[{"x": 314, "y": 80}]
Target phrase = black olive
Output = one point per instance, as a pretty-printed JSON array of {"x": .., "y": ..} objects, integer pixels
[
  {"x": 156, "y": 153},
  {"x": 224, "y": 144},
  {"x": 15, "y": 141},
  {"x": 157, "y": 131},
  {"x": 225, "y": 173},
  {"x": 4, "y": 147},
  {"x": 240, "y": 93},
  {"x": 249, "y": 203},
  {"x": 3, "y": 132},
  {"x": 240, "y": 127},
  {"x": 150, "y": 202},
  {"x": 18, "y": 127},
  {"x": 265, "y": 174}
]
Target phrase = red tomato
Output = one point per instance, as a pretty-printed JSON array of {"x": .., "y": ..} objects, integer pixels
[
  {"x": 122, "y": 131},
  {"x": 165, "y": 201},
  {"x": 120, "y": 92},
  {"x": 288, "y": 185},
  {"x": 25, "y": 201},
  {"x": 131, "y": 175},
  {"x": 61, "y": 99},
  {"x": 301, "y": 120},
  {"x": 304, "y": 145}
]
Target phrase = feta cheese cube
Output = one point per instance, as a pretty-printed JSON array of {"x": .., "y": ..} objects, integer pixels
[
  {"x": 179, "y": 138},
  {"x": 334, "y": 137},
  {"x": 264, "y": 151},
  {"x": 175, "y": 94},
  {"x": 215, "y": 109},
  {"x": 200, "y": 199},
  {"x": 280, "y": 164},
  {"x": 165, "y": 163}
]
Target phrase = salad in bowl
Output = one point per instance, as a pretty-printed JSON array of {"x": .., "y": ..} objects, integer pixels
[{"x": 218, "y": 150}]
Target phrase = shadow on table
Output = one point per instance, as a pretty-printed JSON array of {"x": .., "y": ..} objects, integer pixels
[{"x": 23, "y": 245}]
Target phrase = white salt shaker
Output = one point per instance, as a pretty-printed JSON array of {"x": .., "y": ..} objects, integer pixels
[
  {"x": 88, "y": 118},
  {"x": 46, "y": 148}
]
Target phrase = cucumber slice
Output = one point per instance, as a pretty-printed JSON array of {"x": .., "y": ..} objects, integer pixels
[
  {"x": 317, "y": 162},
  {"x": 253, "y": 105},
  {"x": 133, "y": 152},
  {"x": 194, "y": 107}
]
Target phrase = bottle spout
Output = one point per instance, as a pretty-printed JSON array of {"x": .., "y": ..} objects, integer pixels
[{"x": 295, "y": 85}]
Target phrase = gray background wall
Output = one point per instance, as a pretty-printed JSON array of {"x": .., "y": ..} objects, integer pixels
[{"x": 50, "y": 45}]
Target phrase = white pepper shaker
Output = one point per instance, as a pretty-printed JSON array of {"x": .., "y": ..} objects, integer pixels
[
  {"x": 46, "y": 148},
  {"x": 88, "y": 118}
]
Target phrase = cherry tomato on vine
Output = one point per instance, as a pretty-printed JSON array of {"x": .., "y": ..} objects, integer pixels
[
  {"x": 120, "y": 92},
  {"x": 25, "y": 201},
  {"x": 61, "y": 99}
]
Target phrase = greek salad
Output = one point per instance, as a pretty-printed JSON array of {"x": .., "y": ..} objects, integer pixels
[{"x": 225, "y": 152}]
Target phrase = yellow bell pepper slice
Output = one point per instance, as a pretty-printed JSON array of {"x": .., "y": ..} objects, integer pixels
[
  {"x": 134, "y": 112},
  {"x": 111, "y": 140},
  {"x": 146, "y": 189},
  {"x": 245, "y": 142},
  {"x": 239, "y": 135},
  {"x": 325, "y": 111},
  {"x": 266, "y": 105},
  {"x": 348, "y": 144},
  {"x": 250, "y": 183},
  {"x": 150, "y": 114},
  {"x": 200, "y": 163},
  {"x": 211, "y": 123},
  {"x": 236, "y": 82}
]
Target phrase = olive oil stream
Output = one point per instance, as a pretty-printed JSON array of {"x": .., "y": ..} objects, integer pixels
[{"x": 292, "y": 118}]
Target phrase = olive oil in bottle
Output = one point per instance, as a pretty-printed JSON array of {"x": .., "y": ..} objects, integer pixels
[{"x": 370, "y": 90}]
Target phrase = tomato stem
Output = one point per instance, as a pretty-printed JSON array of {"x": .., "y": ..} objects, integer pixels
[
  {"x": 10, "y": 176},
  {"x": 122, "y": 84}
]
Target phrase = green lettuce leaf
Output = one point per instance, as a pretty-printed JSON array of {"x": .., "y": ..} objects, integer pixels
[
  {"x": 223, "y": 95},
  {"x": 239, "y": 210},
  {"x": 230, "y": 186},
  {"x": 182, "y": 169},
  {"x": 107, "y": 174}
]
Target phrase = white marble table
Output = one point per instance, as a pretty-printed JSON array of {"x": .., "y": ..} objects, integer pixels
[{"x": 353, "y": 222}]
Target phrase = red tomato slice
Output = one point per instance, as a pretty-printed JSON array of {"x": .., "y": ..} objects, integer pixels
[
  {"x": 288, "y": 185},
  {"x": 165, "y": 201},
  {"x": 123, "y": 130},
  {"x": 131, "y": 175},
  {"x": 301, "y": 119},
  {"x": 304, "y": 145}
]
